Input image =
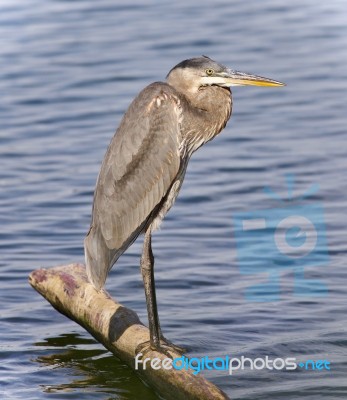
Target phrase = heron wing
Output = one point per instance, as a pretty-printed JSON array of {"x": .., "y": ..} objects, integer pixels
[{"x": 140, "y": 165}]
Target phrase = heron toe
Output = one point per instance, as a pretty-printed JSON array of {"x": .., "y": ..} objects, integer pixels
[{"x": 163, "y": 346}]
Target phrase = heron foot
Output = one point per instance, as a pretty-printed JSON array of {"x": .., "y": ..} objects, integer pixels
[
  {"x": 170, "y": 345},
  {"x": 163, "y": 346}
]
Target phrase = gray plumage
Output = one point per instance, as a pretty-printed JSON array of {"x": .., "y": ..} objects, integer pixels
[{"x": 146, "y": 161}]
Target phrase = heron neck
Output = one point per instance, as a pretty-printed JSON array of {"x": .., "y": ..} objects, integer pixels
[{"x": 205, "y": 114}]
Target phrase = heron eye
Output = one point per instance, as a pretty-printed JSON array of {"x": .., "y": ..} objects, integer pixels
[{"x": 209, "y": 71}]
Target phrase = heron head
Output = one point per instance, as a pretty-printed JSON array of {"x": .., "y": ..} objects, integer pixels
[{"x": 192, "y": 74}]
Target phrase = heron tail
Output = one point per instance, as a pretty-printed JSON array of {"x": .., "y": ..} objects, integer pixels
[{"x": 98, "y": 258}]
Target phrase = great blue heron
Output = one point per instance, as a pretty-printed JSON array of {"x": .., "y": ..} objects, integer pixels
[{"x": 146, "y": 161}]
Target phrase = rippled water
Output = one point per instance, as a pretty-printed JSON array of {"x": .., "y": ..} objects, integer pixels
[{"x": 68, "y": 70}]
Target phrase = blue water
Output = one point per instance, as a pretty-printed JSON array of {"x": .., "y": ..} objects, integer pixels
[{"x": 68, "y": 70}]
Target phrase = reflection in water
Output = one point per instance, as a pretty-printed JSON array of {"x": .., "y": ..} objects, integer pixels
[{"x": 89, "y": 368}]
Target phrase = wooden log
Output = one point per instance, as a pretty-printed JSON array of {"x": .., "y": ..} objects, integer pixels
[{"x": 117, "y": 328}]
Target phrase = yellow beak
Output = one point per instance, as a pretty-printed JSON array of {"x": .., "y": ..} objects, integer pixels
[{"x": 237, "y": 78}]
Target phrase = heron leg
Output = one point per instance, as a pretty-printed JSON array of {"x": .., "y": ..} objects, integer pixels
[
  {"x": 157, "y": 341},
  {"x": 147, "y": 270}
]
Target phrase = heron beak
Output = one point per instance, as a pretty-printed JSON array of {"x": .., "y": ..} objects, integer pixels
[{"x": 236, "y": 78}]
